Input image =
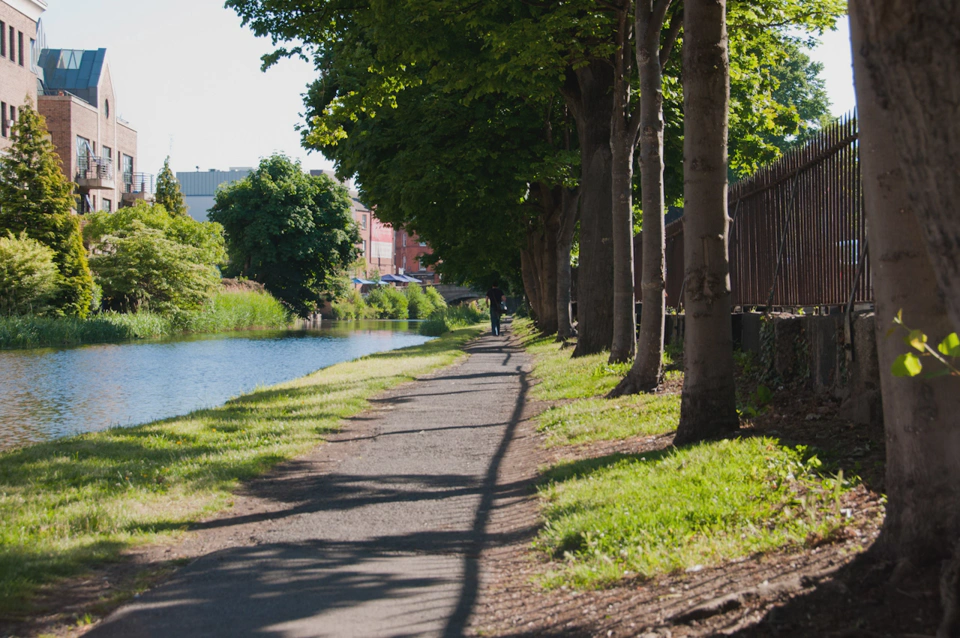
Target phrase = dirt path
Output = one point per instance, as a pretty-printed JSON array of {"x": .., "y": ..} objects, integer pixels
[{"x": 376, "y": 534}]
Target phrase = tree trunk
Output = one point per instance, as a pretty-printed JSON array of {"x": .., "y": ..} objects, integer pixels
[
  {"x": 622, "y": 147},
  {"x": 708, "y": 404},
  {"x": 591, "y": 102},
  {"x": 646, "y": 373},
  {"x": 570, "y": 202},
  {"x": 920, "y": 415},
  {"x": 531, "y": 287},
  {"x": 911, "y": 59},
  {"x": 548, "y": 262}
]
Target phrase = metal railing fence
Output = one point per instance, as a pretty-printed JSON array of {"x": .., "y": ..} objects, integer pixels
[{"x": 797, "y": 232}]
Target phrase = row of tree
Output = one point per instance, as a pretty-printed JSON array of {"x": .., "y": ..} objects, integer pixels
[{"x": 505, "y": 133}]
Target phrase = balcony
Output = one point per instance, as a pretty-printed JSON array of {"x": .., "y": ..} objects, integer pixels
[
  {"x": 137, "y": 186},
  {"x": 95, "y": 173}
]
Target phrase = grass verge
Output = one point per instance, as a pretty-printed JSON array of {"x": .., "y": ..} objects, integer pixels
[
  {"x": 618, "y": 515},
  {"x": 70, "y": 504},
  {"x": 227, "y": 311}
]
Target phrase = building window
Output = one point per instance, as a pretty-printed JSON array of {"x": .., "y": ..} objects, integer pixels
[
  {"x": 106, "y": 109},
  {"x": 423, "y": 243},
  {"x": 107, "y": 205},
  {"x": 12, "y": 32},
  {"x": 363, "y": 222},
  {"x": 13, "y": 115},
  {"x": 404, "y": 262},
  {"x": 3, "y": 39},
  {"x": 127, "y": 169},
  {"x": 20, "y": 45},
  {"x": 108, "y": 153},
  {"x": 363, "y": 250},
  {"x": 3, "y": 119}
]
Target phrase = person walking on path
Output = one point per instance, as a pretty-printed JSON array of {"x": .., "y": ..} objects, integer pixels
[{"x": 495, "y": 296}]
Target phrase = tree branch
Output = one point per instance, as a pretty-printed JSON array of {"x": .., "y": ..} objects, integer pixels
[{"x": 673, "y": 32}]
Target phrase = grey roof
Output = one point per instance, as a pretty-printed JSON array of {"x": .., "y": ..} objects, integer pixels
[
  {"x": 75, "y": 71},
  {"x": 206, "y": 182}
]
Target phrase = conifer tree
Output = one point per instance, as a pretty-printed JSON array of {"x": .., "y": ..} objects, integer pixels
[
  {"x": 169, "y": 194},
  {"x": 37, "y": 199}
]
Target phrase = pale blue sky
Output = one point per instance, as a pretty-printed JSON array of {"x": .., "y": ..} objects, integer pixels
[{"x": 188, "y": 78}]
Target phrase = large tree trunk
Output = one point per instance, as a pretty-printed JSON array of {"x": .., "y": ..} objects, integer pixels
[
  {"x": 570, "y": 202},
  {"x": 622, "y": 147},
  {"x": 547, "y": 258},
  {"x": 591, "y": 102},
  {"x": 920, "y": 415},
  {"x": 647, "y": 371},
  {"x": 911, "y": 59},
  {"x": 708, "y": 404},
  {"x": 531, "y": 283}
]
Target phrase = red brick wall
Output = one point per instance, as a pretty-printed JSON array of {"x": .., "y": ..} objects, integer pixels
[
  {"x": 17, "y": 83},
  {"x": 408, "y": 252}
]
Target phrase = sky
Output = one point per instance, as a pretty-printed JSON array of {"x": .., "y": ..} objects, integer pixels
[{"x": 188, "y": 79}]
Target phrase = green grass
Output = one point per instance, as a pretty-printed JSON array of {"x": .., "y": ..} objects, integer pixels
[
  {"x": 562, "y": 377},
  {"x": 616, "y": 516},
  {"x": 642, "y": 515},
  {"x": 226, "y": 311},
  {"x": 70, "y": 504},
  {"x": 609, "y": 419}
]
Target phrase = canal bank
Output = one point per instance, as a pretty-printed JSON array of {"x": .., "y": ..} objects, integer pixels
[
  {"x": 68, "y": 505},
  {"x": 47, "y": 394}
]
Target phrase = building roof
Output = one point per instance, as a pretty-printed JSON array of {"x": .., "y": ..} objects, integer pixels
[{"x": 74, "y": 71}]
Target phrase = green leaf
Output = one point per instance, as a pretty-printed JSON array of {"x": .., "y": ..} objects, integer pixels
[
  {"x": 950, "y": 346},
  {"x": 917, "y": 340},
  {"x": 943, "y": 372},
  {"x": 906, "y": 365}
]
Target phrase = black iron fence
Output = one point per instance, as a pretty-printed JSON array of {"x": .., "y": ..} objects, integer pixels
[{"x": 797, "y": 233}]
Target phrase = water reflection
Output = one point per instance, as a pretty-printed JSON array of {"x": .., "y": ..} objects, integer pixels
[{"x": 46, "y": 393}]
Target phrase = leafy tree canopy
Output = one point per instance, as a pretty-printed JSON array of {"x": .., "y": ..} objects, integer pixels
[
  {"x": 28, "y": 276},
  {"x": 290, "y": 231},
  {"x": 36, "y": 199},
  {"x": 168, "y": 192}
]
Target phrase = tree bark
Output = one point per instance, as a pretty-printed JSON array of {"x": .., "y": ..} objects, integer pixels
[
  {"x": 623, "y": 139},
  {"x": 570, "y": 203},
  {"x": 920, "y": 415},
  {"x": 646, "y": 374},
  {"x": 588, "y": 95},
  {"x": 911, "y": 58},
  {"x": 531, "y": 284},
  {"x": 708, "y": 402}
]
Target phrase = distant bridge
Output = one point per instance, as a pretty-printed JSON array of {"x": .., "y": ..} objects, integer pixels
[{"x": 457, "y": 294}]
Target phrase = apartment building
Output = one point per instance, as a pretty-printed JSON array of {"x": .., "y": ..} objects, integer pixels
[
  {"x": 409, "y": 257},
  {"x": 98, "y": 150},
  {"x": 21, "y": 36}
]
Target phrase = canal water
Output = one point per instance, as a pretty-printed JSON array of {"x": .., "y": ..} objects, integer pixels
[{"x": 47, "y": 393}]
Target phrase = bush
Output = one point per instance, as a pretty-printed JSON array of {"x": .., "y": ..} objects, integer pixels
[
  {"x": 435, "y": 298},
  {"x": 236, "y": 310},
  {"x": 28, "y": 276},
  {"x": 386, "y": 302},
  {"x": 419, "y": 305},
  {"x": 452, "y": 317},
  {"x": 142, "y": 269},
  {"x": 351, "y": 307}
]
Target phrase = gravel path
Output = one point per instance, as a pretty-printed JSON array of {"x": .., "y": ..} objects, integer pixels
[{"x": 376, "y": 534}]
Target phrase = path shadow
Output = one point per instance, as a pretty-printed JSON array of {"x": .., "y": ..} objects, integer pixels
[{"x": 280, "y": 586}]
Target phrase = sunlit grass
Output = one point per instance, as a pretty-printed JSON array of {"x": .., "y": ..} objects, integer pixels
[
  {"x": 72, "y": 503},
  {"x": 677, "y": 509},
  {"x": 609, "y": 419}
]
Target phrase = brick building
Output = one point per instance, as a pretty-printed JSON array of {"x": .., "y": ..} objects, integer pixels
[
  {"x": 20, "y": 39},
  {"x": 98, "y": 150},
  {"x": 409, "y": 251}
]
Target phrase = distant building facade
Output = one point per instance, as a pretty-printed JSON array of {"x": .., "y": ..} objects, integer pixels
[
  {"x": 409, "y": 253},
  {"x": 98, "y": 150},
  {"x": 200, "y": 187},
  {"x": 21, "y": 36}
]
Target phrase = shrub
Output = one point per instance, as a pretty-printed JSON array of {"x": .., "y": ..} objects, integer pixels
[
  {"x": 28, "y": 275},
  {"x": 419, "y": 305},
  {"x": 435, "y": 298},
  {"x": 386, "y": 302},
  {"x": 140, "y": 268},
  {"x": 235, "y": 310},
  {"x": 350, "y": 307},
  {"x": 452, "y": 317}
]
